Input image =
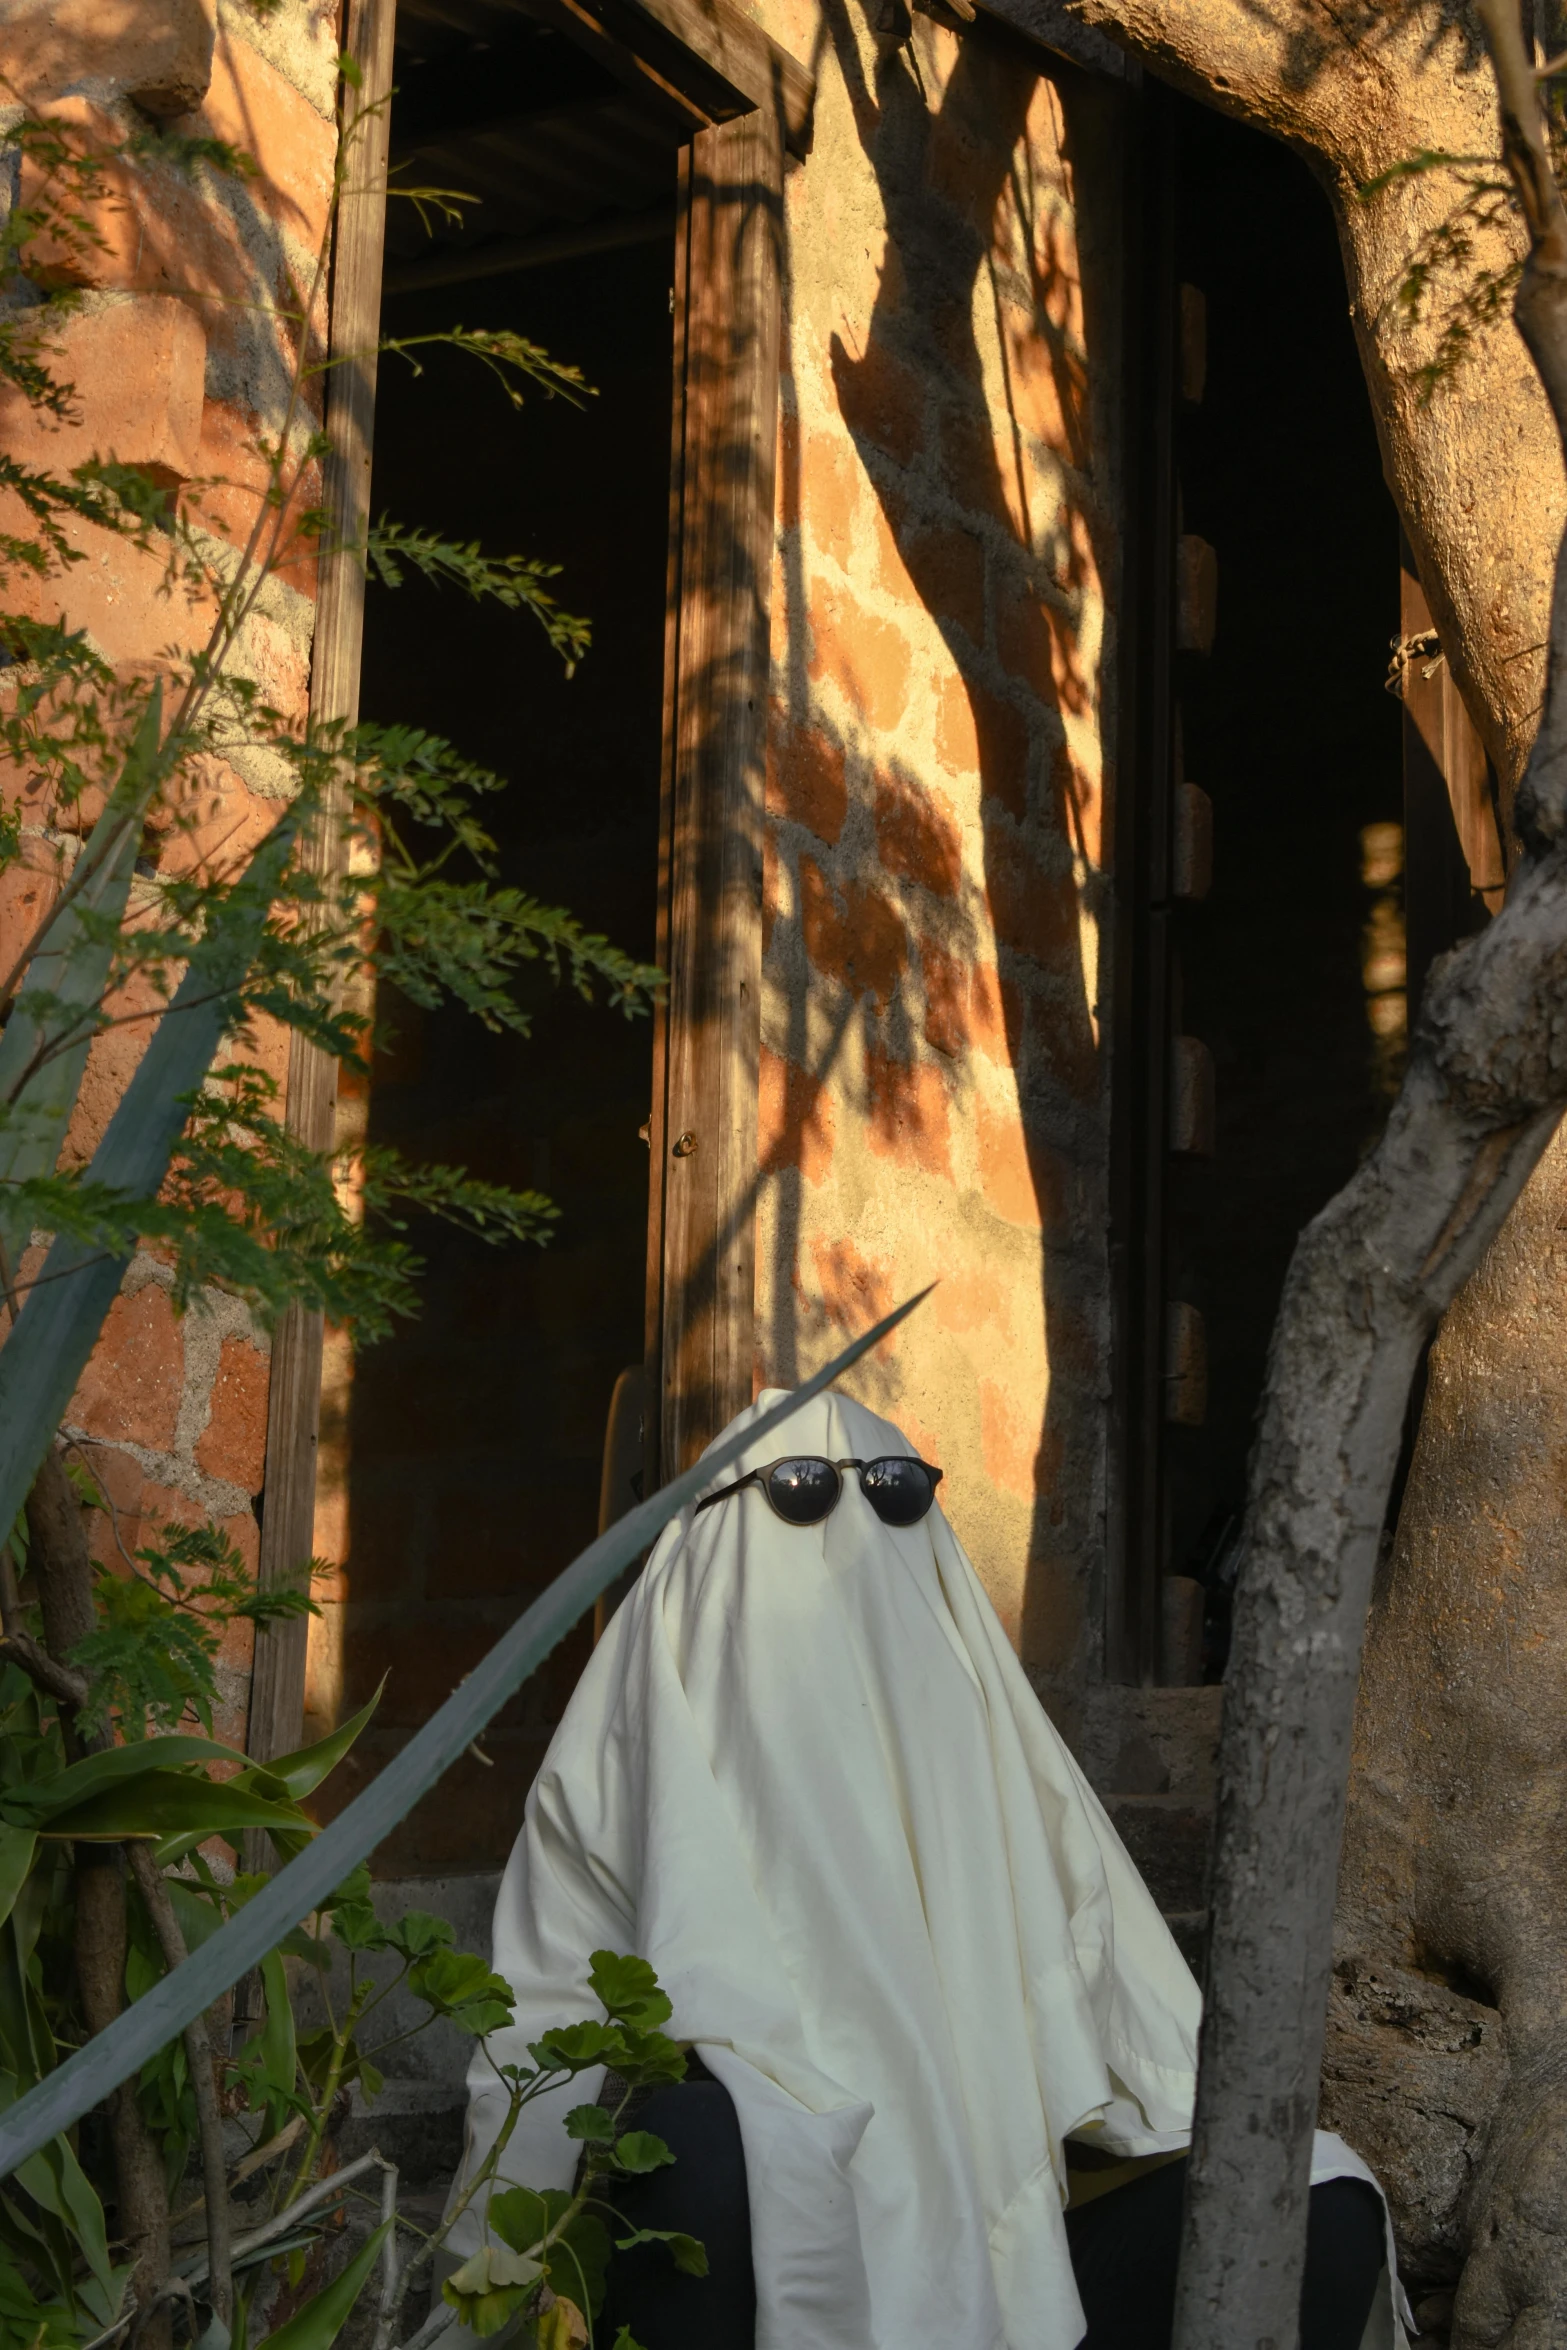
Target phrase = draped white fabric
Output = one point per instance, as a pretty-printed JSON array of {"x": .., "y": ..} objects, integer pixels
[{"x": 805, "y": 1775}]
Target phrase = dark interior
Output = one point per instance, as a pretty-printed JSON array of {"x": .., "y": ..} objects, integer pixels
[
  {"x": 1291, "y": 969},
  {"x": 476, "y": 1431}
]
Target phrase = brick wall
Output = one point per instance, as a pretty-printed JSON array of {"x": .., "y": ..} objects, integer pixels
[
  {"x": 175, "y": 368},
  {"x": 934, "y": 1098}
]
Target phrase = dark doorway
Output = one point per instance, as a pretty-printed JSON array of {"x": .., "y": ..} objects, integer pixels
[
  {"x": 1291, "y": 970},
  {"x": 475, "y": 1434}
]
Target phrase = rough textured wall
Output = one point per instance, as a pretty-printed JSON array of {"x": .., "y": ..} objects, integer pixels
[
  {"x": 174, "y": 367},
  {"x": 934, "y": 1091}
]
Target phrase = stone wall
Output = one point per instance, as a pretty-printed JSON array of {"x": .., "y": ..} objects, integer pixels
[
  {"x": 175, "y": 367},
  {"x": 934, "y": 1101}
]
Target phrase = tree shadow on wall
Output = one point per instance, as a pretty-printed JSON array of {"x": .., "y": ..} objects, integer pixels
[{"x": 998, "y": 511}]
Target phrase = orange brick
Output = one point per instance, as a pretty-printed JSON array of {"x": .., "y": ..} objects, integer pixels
[
  {"x": 251, "y": 105},
  {"x": 881, "y": 399},
  {"x": 863, "y": 946},
  {"x": 855, "y": 1290},
  {"x": 212, "y": 241},
  {"x": 869, "y": 658},
  {"x": 130, "y": 1390},
  {"x": 27, "y": 891},
  {"x": 978, "y": 733},
  {"x": 915, "y": 837},
  {"x": 233, "y": 1445},
  {"x": 946, "y": 999},
  {"x": 975, "y": 1300},
  {"x": 947, "y": 564},
  {"x": 805, "y": 777},
  {"x": 1080, "y": 802},
  {"x": 909, "y": 1118},
  {"x": 794, "y": 1119},
  {"x": 967, "y": 1005},
  {"x": 135, "y": 369},
  {"x": 161, "y": 55},
  {"x": 1009, "y": 1441},
  {"x": 1034, "y": 911},
  {"x": 830, "y": 496},
  {"x": 216, "y": 825},
  {"x": 1013, "y": 1177},
  {"x": 1038, "y": 644},
  {"x": 234, "y": 479},
  {"x": 112, "y": 1061}
]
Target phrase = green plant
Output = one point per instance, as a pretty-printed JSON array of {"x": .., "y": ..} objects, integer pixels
[
  {"x": 377, "y": 866},
  {"x": 60, "y": 2283}
]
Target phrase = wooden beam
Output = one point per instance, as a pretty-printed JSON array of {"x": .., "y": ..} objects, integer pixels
[
  {"x": 742, "y": 55},
  {"x": 294, "y": 1399},
  {"x": 502, "y": 255},
  {"x": 703, "y": 1132},
  {"x": 702, "y": 56}
]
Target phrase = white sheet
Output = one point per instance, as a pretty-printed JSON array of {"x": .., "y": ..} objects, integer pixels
[{"x": 805, "y": 1775}]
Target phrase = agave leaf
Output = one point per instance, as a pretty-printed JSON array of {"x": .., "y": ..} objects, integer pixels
[
  {"x": 65, "y": 980},
  {"x": 117, "y": 1766},
  {"x": 303, "y": 1771},
  {"x": 17, "y": 1846},
  {"x": 54, "y": 1334},
  {"x": 318, "y": 2324},
  {"x": 163, "y": 1803}
]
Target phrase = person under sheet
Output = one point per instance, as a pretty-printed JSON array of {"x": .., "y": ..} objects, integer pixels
[{"x": 806, "y": 1777}]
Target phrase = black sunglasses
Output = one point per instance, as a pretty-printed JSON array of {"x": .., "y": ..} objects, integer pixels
[{"x": 804, "y": 1489}]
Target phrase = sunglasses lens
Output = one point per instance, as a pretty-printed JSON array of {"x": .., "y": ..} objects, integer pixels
[
  {"x": 803, "y": 1491},
  {"x": 899, "y": 1490}
]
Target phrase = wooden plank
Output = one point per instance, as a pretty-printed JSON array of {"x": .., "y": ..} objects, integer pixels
[
  {"x": 704, "y": 1128},
  {"x": 700, "y": 56},
  {"x": 1147, "y": 771},
  {"x": 742, "y": 55},
  {"x": 294, "y": 1399}
]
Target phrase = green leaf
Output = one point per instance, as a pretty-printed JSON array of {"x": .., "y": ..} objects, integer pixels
[
  {"x": 640, "y": 2151},
  {"x": 17, "y": 1846},
  {"x": 687, "y": 2253},
  {"x": 48, "y": 1345},
  {"x": 417, "y": 1934},
  {"x": 113, "y": 1768},
  {"x": 628, "y": 1989},
  {"x": 303, "y": 1771},
  {"x": 169, "y": 1803},
  {"x": 58, "y": 2184},
  {"x": 575, "y": 2260},
  {"x": 459, "y": 1985},
  {"x": 490, "y": 2287},
  {"x": 592, "y": 2123},
  {"x": 357, "y": 1927},
  {"x": 626, "y": 2340},
  {"x": 44, "y": 1047},
  {"x": 198, "y": 1915},
  {"x": 573, "y": 2048},
  {"x": 646, "y": 2057},
  {"x": 318, "y": 2324},
  {"x": 275, "y": 2057}
]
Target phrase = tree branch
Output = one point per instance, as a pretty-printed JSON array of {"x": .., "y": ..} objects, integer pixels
[
  {"x": 209, "y": 2119},
  {"x": 1368, "y": 1282}
]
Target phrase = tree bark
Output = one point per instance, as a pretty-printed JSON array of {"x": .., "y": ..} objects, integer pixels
[{"x": 1476, "y": 473}]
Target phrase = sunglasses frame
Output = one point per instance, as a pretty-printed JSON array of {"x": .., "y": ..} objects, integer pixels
[{"x": 759, "y": 1477}]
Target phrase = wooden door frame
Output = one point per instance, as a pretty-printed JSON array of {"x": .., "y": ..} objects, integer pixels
[{"x": 740, "y": 104}]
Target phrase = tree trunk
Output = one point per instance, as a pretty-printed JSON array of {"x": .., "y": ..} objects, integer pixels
[{"x": 1447, "y": 2060}]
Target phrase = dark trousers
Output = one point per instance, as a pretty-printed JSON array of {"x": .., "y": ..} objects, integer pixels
[{"x": 1124, "y": 2247}]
